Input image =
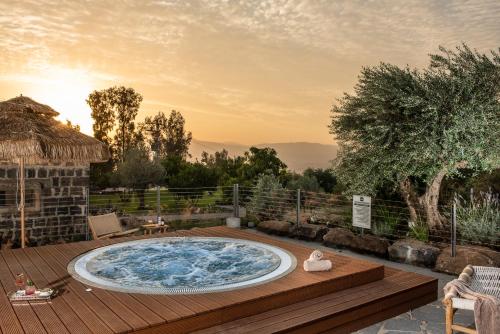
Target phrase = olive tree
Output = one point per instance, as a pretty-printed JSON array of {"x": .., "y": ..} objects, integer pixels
[
  {"x": 412, "y": 128},
  {"x": 138, "y": 171}
]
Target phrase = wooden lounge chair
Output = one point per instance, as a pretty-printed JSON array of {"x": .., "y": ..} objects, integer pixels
[
  {"x": 485, "y": 280},
  {"x": 108, "y": 226}
]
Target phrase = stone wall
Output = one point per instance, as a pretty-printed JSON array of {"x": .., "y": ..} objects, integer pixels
[{"x": 55, "y": 207}]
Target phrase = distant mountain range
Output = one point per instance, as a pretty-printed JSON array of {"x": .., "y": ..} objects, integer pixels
[{"x": 297, "y": 156}]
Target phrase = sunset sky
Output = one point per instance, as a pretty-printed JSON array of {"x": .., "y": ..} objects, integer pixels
[{"x": 239, "y": 71}]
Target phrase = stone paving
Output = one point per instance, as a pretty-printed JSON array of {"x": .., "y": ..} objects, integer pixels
[{"x": 428, "y": 319}]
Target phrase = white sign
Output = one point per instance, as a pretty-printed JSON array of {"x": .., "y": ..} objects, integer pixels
[{"x": 361, "y": 211}]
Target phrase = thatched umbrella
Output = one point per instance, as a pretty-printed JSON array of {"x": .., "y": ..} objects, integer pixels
[{"x": 30, "y": 134}]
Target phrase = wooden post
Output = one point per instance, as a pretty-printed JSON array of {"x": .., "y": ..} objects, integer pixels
[
  {"x": 449, "y": 316},
  {"x": 298, "y": 208},
  {"x": 236, "y": 200},
  {"x": 21, "y": 204},
  {"x": 158, "y": 205},
  {"x": 454, "y": 229}
]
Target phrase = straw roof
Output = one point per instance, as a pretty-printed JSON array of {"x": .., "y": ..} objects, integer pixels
[{"x": 28, "y": 129}]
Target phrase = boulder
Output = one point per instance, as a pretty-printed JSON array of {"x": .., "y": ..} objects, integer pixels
[
  {"x": 339, "y": 237},
  {"x": 371, "y": 244},
  {"x": 277, "y": 227},
  {"x": 342, "y": 237},
  {"x": 414, "y": 252},
  {"x": 310, "y": 232},
  {"x": 473, "y": 255}
]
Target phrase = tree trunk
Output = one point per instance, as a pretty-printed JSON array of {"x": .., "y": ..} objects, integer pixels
[
  {"x": 410, "y": 198},
  {"x": 426, "y": 205},
  {"x": 140, "y": 194},
  {"x": 430, "y": 199}
]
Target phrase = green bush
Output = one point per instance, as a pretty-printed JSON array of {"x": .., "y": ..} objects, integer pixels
[
  {"x": 269, "y": 198},
  {"x": 419, "y": 230},
  {"x": 386, "y": 221},
  {"x": 478, "y": 220}
]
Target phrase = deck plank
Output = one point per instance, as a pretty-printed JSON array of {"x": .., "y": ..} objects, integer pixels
[
  {"x": 147, "y": 314},
  {"x": 296, "y": 302},
  {"x": 127, "y": 315},
  {"x": 65, "y": 314},
  {"x": 115, "y": 323},
  {"x": 87, "y": 316},
  {"x": 10, "y": 322},
  {"x": 281, "y": 312},
  {"x": 28, "y": 316},
  {"x": 364, "y": 300}
]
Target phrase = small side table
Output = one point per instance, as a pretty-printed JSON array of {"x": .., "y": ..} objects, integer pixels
[{"x": 154, "y": 228}]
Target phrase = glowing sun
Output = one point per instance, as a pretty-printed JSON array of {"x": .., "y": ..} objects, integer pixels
[{"x": 65, "y": 90}]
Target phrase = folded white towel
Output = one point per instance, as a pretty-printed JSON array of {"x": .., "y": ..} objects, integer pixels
[
  {"x": 316, "y": 255},
  {"x": 317, "y": 265}
]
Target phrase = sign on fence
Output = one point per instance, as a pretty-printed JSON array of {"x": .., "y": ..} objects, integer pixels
[{"x": 361, "y": 211}]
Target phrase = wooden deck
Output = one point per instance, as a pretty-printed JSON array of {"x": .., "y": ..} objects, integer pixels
[{"x": 354, "y": 295}]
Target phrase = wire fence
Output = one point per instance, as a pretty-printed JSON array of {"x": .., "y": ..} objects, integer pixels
[
  {"x": 181, "y": 207},
  {"x": 474, "y": 226},
  {"x": 473, "y": 222},
  {"x": 187, "y": 207}
]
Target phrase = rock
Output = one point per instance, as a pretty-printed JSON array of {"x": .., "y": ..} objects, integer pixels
[
  {"x": 474, "y": 255},
  {"x": 339, "y": 237},
  {"x": 414, "y": 252},
  {"x": 371, "y": 244},
  {"x": 310, "y": 232},
  {"x": 277, "y": 227}
]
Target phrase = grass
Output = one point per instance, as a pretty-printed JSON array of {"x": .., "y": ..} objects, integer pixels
[
  {"x": 478, "y": 219},
  {"x": 385, "y": 221},
  {"x": 128, "y": 203},
  {"x": 188, "y": 224},
  {"x": 419, "y": 231}
]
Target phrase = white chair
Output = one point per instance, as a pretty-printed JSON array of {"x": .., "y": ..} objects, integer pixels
[{"x": 484, "y": 280}]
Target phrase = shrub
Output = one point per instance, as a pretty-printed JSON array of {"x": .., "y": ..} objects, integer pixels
[
  {"x": 478, "y": 220},
  {"x": 419, "y": 230},
  {"x": 386, "y": 221},
  {"x": 269, "y": 199}
]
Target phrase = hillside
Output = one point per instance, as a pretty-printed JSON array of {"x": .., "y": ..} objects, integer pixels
[{"x": 297, "y": 156}]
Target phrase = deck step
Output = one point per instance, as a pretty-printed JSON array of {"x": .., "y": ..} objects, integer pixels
[{"x": 341, "y": 312}]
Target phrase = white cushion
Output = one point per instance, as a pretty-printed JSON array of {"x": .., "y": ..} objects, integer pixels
[{"x": 463, "y": 304}]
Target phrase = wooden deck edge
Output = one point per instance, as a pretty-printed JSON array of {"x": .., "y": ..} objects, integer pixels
[
  {"x": 374, "y": 318},
  {"x": 372, "y": 312},
  {"x": 368, "y": 313},
  {"x": 267, "y": 303}
]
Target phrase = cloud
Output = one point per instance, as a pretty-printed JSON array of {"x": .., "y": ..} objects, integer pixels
[
  {"x": 366, "y": 28},
  {"x": 265, "y": 59}
]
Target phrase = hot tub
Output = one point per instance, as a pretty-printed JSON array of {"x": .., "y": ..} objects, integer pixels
[{"x": 181, "y": 265}]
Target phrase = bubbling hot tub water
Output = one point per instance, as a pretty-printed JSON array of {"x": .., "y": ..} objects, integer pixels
[{"x": 181, "y": 265}]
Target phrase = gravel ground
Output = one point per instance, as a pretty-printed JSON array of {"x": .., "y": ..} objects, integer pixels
[{"x": 428, "y": 319}]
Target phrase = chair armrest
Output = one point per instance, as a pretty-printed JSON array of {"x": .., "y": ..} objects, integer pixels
[{"x": 124, "y": 233}]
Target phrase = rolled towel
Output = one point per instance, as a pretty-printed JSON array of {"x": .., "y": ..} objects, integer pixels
[
  {"x": 317, "y": 265},
  {"x": 316, "y": 255},
  {"x": 464, "y": 278}
]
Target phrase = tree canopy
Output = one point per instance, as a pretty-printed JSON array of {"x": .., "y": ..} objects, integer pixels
[
  {"x": 260, "y": 161},
  {"x": 138, "y": 171},
  {"x": 114, "y": 110},
  {"x": 411, "y": 127},
  {"x": 167, "y": 135}
]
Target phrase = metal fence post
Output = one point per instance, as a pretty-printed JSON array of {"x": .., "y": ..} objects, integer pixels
[
  {"x": 87, "y": 210},
  {"x": 158, "y": 205},
  {"x": 454, "y": 229},
  {"x": 298, "y": 207},
  {"x": 236, "y": 204}
]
